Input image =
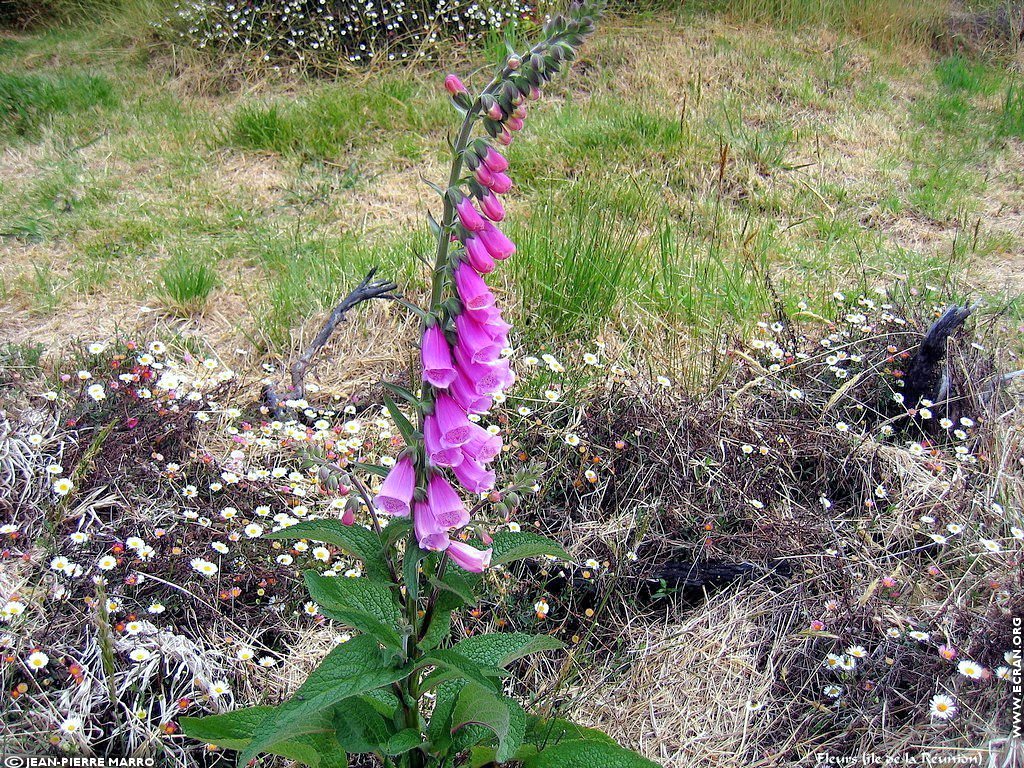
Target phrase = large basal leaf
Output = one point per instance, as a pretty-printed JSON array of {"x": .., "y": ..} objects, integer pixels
[
  {"x": 351, "y": 669},
  {"x": 366, "y": 605},
  {"x": 500, "y": 714},
  {"x": 495, "y": 650},
  {"x": 359, "y": 727},
  {"x": 587, "y": 754},
  {"x": 516, "y": 545},
  {"x": 318, "y": 749},
  {"x": 353, "y": 540},
  {"x": 545, "y": 733}
]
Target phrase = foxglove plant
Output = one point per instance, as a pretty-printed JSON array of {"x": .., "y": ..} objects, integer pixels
[{"x": 368, "y": 695}]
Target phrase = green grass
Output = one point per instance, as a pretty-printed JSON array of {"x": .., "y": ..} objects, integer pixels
[
  {"x": 333, "y": 119},
  {"x": 1011, "y": 116},
  {"x": 28, "y": 102},
  {"x": 186, "y": 283}
]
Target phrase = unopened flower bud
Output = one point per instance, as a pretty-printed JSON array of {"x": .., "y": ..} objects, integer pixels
[
  {"x": 454, "y": 85},
  {"x": 494, "y": 497},
  {"x": 514, "y": 62}
]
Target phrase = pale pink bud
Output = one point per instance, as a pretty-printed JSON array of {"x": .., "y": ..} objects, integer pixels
[
  {"x": 469, "y": 216},
  {"x": 469, "y": 558},
  {"x": 454, "y": 85}
]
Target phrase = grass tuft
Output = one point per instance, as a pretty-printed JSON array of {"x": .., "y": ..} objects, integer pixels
[
  {"x": 186, "y": 283},
  {"x": 29, "y": 101}
]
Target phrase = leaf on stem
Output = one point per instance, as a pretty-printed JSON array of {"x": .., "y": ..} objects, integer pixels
[
  {"x": 353, "y": 540},
  {"x": 360, "y": 603}
]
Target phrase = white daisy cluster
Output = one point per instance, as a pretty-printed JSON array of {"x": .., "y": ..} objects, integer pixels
[{"x": 328, "y": 32}]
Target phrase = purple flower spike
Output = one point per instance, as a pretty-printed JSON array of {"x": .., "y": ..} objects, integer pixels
[
  {"x": 437, "y": 452},
  {"x": 492, "y": 207},
  {"x": 451, "y": 421},
  {"x": 469, "y": 558},
  {"x": 494, "y": 240},
  {"x": 395, "y": 495},
  {"x": 473, "y": 291},
  {"x": 437, "y": 358},
  {"x": 429, "y": 533},
  {"x": 468, "y": 215},
  {"x": 495, "y": 161},
  {"x": 479, "y": 258},
  {"x": 446, "y": 508}
]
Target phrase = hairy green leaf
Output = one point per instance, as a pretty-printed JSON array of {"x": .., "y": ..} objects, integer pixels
[
  {"x": 318, "y": 748},
  {"x": 516, "y": 545},
  {"x": 545, "y": 733},
  {"x": 414, "y": 554},
  {"x": 587, "y": 754},
  {"x": 350, "y": 669},
  {"x": 461, "y": 667},
  {"x": 360, "y": 603},
  {"x": 496, "y": 650},
  {"x": 502, "y": 715},
  {"x": 354, "y": 540},
  {"x": 359, "y": 728},
  {"x": 457, "y": 584},
  {"x": 403, "y": 741},
  {"x": 502, "y": 648}
]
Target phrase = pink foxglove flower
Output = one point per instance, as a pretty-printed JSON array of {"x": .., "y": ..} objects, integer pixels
[
  {"x": 473, "y": 291},
  {"x": 484, "y": 175},
  {"x": 437, "y": 358},
  {"x": 491, "y": 319},
  {"x": 474, "y": 476},
  {"x": 396, "y": 492},
  {"x": 439, "y": 454},
  {"x": 463, "y": 391},
  {"x": 451, "y": 421},
  {"x": 486, "y": 379},
  {"x": 477, "y": 341},
  {"x": 494, "y": 240},
  {"x": 479, "y": 257},
  {"x": 492, "y": 207},
  {"x": 469, "y": 558},
  {"x": 446, "y": 510},
  {"x": 482, "y": 446},
  {"x": 494, "y": 160},
  {"x": 469, "y": 216},
  {"x": 514, "y": 123},
  {"x": 500, "y": 183},
  {"x": 429, "y": 533}
]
